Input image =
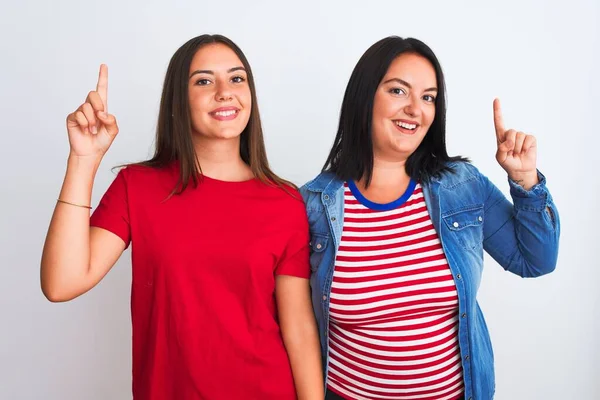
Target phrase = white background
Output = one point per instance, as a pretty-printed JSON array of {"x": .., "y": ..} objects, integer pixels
[{"x": 541, "y": 58}]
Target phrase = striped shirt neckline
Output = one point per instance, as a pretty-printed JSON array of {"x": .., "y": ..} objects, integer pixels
[{"x": 382, "y": 206}]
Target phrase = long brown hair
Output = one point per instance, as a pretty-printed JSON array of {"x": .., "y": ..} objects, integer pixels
[{"x": 174, "y": 130}]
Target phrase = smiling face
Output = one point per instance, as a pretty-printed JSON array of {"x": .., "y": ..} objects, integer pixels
[
  {"x": 219, "y": 95},
  {"x": 403, "y": 107}
]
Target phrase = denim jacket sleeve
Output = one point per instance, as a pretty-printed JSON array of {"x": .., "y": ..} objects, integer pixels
[{"x": 522, "y": 237}]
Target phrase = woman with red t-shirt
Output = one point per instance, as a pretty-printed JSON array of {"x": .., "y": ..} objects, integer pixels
[{"x": 220, "y": 298}]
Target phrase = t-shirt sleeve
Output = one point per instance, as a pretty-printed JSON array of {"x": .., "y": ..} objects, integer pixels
[
  {"x": 112, "y": 212},
  {"x": 295, "y": 259}
]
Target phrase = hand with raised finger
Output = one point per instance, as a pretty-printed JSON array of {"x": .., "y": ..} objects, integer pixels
[
  {"x": 517, "y": 151},
  {"x": 91, "y": 128}
]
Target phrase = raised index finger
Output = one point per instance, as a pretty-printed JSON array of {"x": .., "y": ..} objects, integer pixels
[
  {"x": 498, "y": 121},
  {"x": 102, "y": 86}
]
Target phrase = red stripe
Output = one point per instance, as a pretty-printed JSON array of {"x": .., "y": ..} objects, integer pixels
[
  {"x": 393, "y": 316},
  {"x": 392, "y": 275},
  {"x": 402, "y": 253},
  {"x": 424, "y": 394},
  {"x": 395, "y": 264},
  {"x": 395, "y": 367},
  {"x": 395, "y": 285},
  {"x": 421, "y": 336},
  {"x": 411, "y": 242},
  {"x": 398, "y": 358},
  {"x": 390, "y": 296},
  {"x": 394, "y": 347},
  {"x": 397, "y": 225},
  {"x": 397, "y": 385},
  {"x": 391, "y": 236}
]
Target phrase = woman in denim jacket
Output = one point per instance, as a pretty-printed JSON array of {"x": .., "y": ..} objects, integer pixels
[{"x": 398, "y": 230}]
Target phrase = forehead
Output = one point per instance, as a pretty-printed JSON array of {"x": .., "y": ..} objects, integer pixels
[
  {"x": 412, "y": 68},
  {"x": 215, "y": 57}
]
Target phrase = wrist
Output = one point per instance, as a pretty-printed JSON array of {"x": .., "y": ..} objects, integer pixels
[
  {"x": 527, "y": 180},
  {"x": 89, "y": 164}
]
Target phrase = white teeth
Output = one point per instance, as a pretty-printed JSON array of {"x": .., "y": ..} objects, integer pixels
[
  {"x": 405, "y": 125},
  {"x": 225, "y": 113}
]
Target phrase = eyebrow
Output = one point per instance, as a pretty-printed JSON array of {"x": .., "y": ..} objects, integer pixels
[
  {"x": 209, "y": 72},
  {"x": 402, "y": 82}
]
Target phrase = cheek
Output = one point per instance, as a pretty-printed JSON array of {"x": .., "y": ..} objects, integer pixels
[
  {"x": 429, "y": 116},
  {"x": 198, "y": 103},
  {"x": 381, "y": 108},
  {"x": 245, "y": 97}
]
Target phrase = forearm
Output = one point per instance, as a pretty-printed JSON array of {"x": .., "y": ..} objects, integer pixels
[
  {"x": 302, "y": 345},
  {"x": 523, "y": 236},
  {"x": 66, "y": 255}
]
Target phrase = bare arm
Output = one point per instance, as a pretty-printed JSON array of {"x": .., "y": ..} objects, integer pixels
[
  {"x": 300, "y": 336},
  {"x": 76, "y": 257}
]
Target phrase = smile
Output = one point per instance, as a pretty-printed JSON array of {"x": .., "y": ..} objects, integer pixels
[
  {"x": 225, "y": 114},
  {"x": 406, "y": 127}
]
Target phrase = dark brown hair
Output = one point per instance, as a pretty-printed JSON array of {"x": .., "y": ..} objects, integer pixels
[
  {"x": 174, "y": 130},
  {"x": 351, "y": 156}
]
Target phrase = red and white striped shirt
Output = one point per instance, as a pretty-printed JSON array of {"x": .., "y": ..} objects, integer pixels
[{"x": 393, "y": 307}]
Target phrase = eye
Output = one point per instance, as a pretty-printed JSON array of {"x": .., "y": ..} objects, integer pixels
[
  {"x": 203, "y": 82},
  {"x": 429, "y": 98},
  {"x": 397, "y": 91},
  {"x": 238, "y": 79}
]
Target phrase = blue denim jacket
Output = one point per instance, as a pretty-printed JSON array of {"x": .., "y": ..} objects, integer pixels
[{"x": 470, "y": 215}]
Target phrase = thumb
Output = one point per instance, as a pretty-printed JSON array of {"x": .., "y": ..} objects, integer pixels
[
  {"x": 506, "y": 146},
  {"x": 110, "y": 123}
]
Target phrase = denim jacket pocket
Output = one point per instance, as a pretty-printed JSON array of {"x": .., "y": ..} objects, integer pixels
[
  {"x": 466, "y": 225},
  {"x": 318, "y": 244}
]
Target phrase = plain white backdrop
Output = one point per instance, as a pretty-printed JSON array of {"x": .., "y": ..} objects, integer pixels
[{"x": 541, "y": 58}]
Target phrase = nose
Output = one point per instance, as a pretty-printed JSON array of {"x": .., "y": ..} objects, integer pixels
[
  {"x": 223, "y": 92},
  {"x": 413, "y": 107}
]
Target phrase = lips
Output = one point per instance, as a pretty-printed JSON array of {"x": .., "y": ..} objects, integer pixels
[
  {"x": 405, "y": 126},
  {"x": 225, "y": 113}
]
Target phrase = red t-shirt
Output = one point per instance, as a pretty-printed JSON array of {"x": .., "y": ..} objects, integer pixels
[{"x": 204, "y": 316}]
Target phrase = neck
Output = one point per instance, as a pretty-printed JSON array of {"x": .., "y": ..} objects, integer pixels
[
  {"x": 387, "y": 173},
  {"x": 220, "y": 159}
]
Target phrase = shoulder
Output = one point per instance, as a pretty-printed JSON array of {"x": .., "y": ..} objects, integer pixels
[
  {"x": 317, "y": 185},
  {"x": 286, "y": 201},
  {"x": 459, "y": 173},
  {"x": 144, "y": 179},
  {"x": 283, "y": 194}
]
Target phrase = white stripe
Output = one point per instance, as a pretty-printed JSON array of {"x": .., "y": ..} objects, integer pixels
[
  {"x": 376, "y": 352},
  {"x": 396, "y": 290},
  {"x": 388, "y": 343},
  {"x": 382, "y": 313},
  {"x": 388, "y": 232},
  {"x": 396, "y": 304},
  {"x": 391, "y": 270},
  {"x": 425, "y": 360},
  {"x": 398, "y": 240},
  {"x": 374, "y": 263},
  {"x": 387, "y": 281},
  {"x": 334, "y": 365},
  {"x": 396, "y": 335},
  {"x": 362, "y": 253},
  {"x": 399, "y": 373},
  {"x": 393, "y": 221},
  {"x": 413, "y": 320},
  {"x": 394, "y": 396}
]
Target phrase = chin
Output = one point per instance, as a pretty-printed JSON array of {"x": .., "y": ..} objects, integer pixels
[{"x": 228, "y": 134}]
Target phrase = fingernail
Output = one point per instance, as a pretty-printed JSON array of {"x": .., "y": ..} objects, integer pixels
[{"x": 94, "y": 130}]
